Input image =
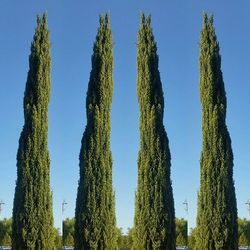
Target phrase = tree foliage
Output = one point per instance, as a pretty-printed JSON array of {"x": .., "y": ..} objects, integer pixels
[
  {"x": 181, "y": 232},
  {"x": 68, "y": 232},
  {"x": 57, "y": 239},
  {"x": 244, "y": 232},
  {"x": 95, "y": 223},
  {"x": 192, "y": 239},
  {"x": 154, "y": 223},
  {"x": 5, "y": 232},
  {"x": 217, "y": 211},
  {"x": 125, "y": 240},
  {"x": 32, "y": 210}
]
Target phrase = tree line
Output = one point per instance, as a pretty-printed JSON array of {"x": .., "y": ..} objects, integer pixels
[
  {"x": 125, "y": 239},
  {"x": 67, "y": 238},
  {"x": 155, "y": 224}
]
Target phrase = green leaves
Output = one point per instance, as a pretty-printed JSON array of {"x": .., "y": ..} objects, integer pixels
[
  {"x": 154, "y": 207},
  {"x": 217, "y": 211},
  {"x": 5, "y": 232},
  {"x": 32, "y": 211},
  {"x": 181, "y": 232},
  {"x": 95, "y": 223},
  {"x": 244, "y": 232}
]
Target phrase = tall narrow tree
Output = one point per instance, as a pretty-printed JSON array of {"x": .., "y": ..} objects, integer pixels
[
  {"x": 154, "y": 211},
  {"x": 95, "y": 223},
  {"x": 32, "y": 211},
  {"x": 217, "y": 211}
]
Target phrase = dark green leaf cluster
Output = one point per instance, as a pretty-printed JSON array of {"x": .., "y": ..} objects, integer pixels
[
  {"x": 181, "y": 227},
  {"x": 125, "y": 240},
  {"x": 32, "y": 211},
  {"x": 68, "y": 232},
  {"x": 95, "y": 223},
  {"x": 192, "y": 239},
  {"x": 244, "y": 232},
  {"x": 217, "y": 211},
  {"x": 57, "y": 240},
  {"x": 154, "y": 212},
  {"x": 5, "y": 232}
]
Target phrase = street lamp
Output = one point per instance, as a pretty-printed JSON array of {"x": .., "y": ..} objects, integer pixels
[
  {"x": 185, "y": 203},
  {"x": 248, "y": 204},
  {"x": 1, "y": 206},
  {"x": 63, "y": 209}
]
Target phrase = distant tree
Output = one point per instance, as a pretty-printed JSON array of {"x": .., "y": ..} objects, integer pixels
[
  {"x": 5, "y": 232},
  {"x": 95, "y": 222},
  {"x": 130, "y": 237},
  {"x": 32, "y": 210},
  {"x": 244, "y": 232},
  {"x": 154, "y": 221},
  {"x": 192, "y": 239},
  {"x": 124, "y": 240},
  {"x": 217, "y": 210},
  {"x": 181, "y": 232},
  {"x": 58, "y": 239},
  {"x": 68, "y": 232}
]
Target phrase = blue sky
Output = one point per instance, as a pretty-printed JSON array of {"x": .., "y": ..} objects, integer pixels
[{"x": 73, "y": 26}]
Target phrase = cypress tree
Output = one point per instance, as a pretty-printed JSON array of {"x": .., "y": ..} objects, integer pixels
[
  {"x": 32, "y": 211},
  {"x": 154, "y": 209},
  {"x": 217, "y": 211},
  {"x": 95, "y": 223}
]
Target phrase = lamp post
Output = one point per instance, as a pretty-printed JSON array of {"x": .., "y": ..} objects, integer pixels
[
  {"x": 1, "y": 206},
  {"x": 185, "y": 203},
  {"x": 248, "y": 204},
  {"x": 63, "y": 209}
]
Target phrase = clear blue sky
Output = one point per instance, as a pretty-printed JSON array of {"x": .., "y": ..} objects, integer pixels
[{"x": 73, "y": 26}]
